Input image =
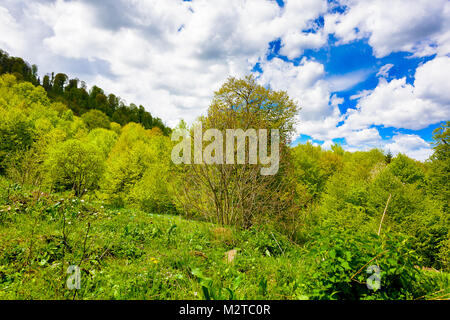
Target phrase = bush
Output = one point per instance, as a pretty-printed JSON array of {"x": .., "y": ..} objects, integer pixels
[
  {"x": 96, "y": 119},
  {"x": 74, "y": 165},
  {"x": 343, "y": 261}
]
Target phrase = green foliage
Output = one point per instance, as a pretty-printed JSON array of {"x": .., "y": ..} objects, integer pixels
[
  {"x": 73, "y": 93},
  {"x": 439, "y": 173},
  {"x": 313, "y": 167},
  {"x": 444, "y": 253},
  {"x": 96, "y": 119},
  {"x": 48, "y": 154},
  {"x": 73, "y": 165},
  {"x": 128, "y": 256},
  {"x": 212, "y": 291},
  {"x": 441, "y": 137},
  {"x": 103, "y": 139},
  {"x": 139, "y": 170},
  {"x": 406, "y": 169},
  {"x": 342, "y": 259}
]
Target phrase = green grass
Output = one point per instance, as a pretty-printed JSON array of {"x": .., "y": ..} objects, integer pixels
[{"x": 131, "y": 254}]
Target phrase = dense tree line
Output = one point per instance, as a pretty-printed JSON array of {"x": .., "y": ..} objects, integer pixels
[{"x": 75, "y": 94}]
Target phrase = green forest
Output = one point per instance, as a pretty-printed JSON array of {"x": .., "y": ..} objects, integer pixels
[{"x": 87, "y": 180}]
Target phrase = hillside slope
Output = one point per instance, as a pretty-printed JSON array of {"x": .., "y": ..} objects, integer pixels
[{"x": 131, "y": 254}]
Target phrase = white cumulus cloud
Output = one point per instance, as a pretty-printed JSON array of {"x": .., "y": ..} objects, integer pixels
[{"x": 410, "y": 144}]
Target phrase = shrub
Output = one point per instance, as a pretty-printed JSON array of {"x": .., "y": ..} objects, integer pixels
[
  {"x": 96, "y": 119},
  {"x": 74, "y": 165},
  {"x": 343, "y": 260}
]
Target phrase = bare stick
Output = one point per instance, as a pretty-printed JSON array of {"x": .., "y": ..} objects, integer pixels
[
  {"x": 82, "y": 257},
  {"x": 282, "y": 251},
  {"x": 382, "y": 218},
  {"x": 351, "y": 278}
]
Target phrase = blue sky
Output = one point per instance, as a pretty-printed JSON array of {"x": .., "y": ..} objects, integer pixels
[
  {"x": 358, "y": 57},
  {"x": 366, "y": 73}
]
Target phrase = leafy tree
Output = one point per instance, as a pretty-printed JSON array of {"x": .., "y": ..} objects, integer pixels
[
  {"x": 74, "y": 165},
  {"x": 406, "y": 169},
  {"x": 103, "y": 139},
  {"x": 441, "y": 137},
  {"x": 235, "y": 193},
  {"x": 96, "y": 119},
  {"x": 78, "y": 99},
  {"x": 138, "y": 169},
  {"x": 116, "y": 127},
  {"x": 439, "y": 174},
  {"x": 59, "y": 82},
  {"x": 388, "y": 157},
  {"x": 154, "y": 191},
  {"x": 46, "y": 83},
  {"x": 16, "y": 135},
  {"x": 21, "y": 104}
]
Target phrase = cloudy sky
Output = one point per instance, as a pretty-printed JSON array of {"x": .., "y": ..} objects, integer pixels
[{"x": 367, "y": 73}]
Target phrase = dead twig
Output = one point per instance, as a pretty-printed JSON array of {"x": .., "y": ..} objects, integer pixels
[
  {"x": 382, "y": 218},
  {"x": 84, "y": 252},
  {"x": 378, "y": 255}
]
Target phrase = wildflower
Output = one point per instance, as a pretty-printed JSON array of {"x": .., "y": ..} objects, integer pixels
[{"x": 154, "y": 260}]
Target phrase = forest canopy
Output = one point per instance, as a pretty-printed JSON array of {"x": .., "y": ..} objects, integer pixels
[{"x": 74, "y": 94}]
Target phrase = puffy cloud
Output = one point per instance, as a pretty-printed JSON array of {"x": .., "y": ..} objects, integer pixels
[
  {"x": 303, "y": 82},
  {"x": 168, "y": 55},
  {"x": 327, "y": 144},
  {"x": 402, "y": 105},
  {"x": 394, "y": 103},
  {"x": 296, "y": 43},
  {"x": 410, "y": 144},
  {"x": 431, "y": 81},
  {"x": 397, "y": 25},
  {"x": 365, "y": 137},
  {"x": 10, "y": 30}
]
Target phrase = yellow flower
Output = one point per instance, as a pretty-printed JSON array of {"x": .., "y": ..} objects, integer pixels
[{"x": 154, "y": 260}]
